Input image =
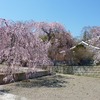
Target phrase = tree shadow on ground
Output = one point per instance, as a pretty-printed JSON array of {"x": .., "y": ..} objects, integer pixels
[
  {"x": 3, "y": 91},
  {"x": 54, "y": 81}
]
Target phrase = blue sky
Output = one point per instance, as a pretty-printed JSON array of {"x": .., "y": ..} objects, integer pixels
[{"x": 73, "y": 14}]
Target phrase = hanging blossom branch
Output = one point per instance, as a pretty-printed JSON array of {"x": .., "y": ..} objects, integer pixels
[{"x": 20, "y": 47}]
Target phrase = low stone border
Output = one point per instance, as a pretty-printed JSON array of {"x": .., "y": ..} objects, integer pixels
[{"x": 23, "y": 76}]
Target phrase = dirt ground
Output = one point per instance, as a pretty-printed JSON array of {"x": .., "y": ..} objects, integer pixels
[{"x": 55, "y": 87}]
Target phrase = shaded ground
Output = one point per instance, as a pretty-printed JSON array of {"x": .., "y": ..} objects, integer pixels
[{"x": 56, "y": 87}]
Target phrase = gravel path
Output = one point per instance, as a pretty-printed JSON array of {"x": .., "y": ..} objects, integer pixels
[{"x": 56, "y": 87}]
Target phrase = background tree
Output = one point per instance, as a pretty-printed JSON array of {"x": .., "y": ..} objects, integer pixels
[
  {"x": 92, "y": 36},
  {"x": 48, "y": 29},
  {"x": 58, "y": 38}
]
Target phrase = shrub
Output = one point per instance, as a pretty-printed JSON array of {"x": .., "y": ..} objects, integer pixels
[{"x": 82, "y": 55}]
